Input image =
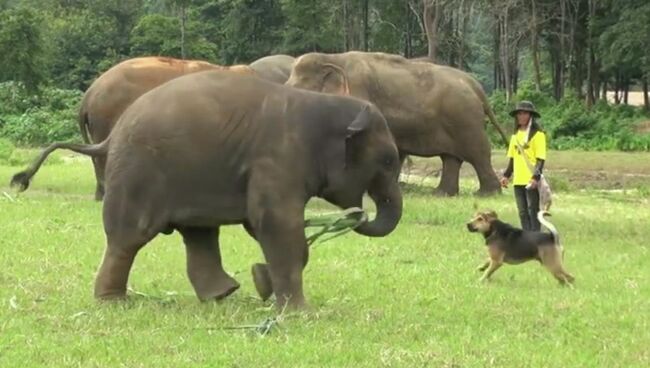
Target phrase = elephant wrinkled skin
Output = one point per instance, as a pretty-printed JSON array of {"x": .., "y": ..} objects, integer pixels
[
  {"x": 218, "y": 148},
  {"x": 117, "y": 88},
  {"x": 432, "y": 110}
]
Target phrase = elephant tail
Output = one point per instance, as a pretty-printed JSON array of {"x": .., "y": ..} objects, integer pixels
[
  {"x": 84, "y": 126},
  {"x": 23, "y": 178},
  {"x": 488, "y": 110},
  {"x": 493, "y": 119}
]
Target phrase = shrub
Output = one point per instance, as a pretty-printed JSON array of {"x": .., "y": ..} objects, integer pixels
[
  {"x": 38, "y": 119},
  {"x": 6, "y": 149}
]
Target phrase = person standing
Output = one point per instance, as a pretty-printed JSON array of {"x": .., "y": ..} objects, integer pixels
[{"x": 527, "y": 150}]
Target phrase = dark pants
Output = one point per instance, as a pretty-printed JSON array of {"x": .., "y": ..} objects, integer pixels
[{"x": 528, "y": 206}]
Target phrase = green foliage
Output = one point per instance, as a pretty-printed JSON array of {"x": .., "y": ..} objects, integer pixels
[
  {"x": 21, "y": 47},
  {"x": 571, "y": 125},
  {"x": 84, "y": 46},
  {"x": 157, "y": 34},
  {"x": 27, "y": 119},
  {"x": 6, "y": 149},
  {"x": 310, "y": 26},
  {"x": 624, "y": 44}
]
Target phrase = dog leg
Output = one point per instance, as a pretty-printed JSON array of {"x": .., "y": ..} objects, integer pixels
[
  {"x": 483, "y": 266},
  {"x": 494, "y": 265},
  {"x": 552, "y": 260}
]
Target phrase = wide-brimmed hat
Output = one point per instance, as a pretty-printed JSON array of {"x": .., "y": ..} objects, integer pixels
[{"x": 525, "y": 106}]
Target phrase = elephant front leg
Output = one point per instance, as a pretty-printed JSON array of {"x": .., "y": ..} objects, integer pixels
[
  {"x": 204, "y": 267},
  {"x": 450, "y": 175},
  {"x": 282, "y": 238}
]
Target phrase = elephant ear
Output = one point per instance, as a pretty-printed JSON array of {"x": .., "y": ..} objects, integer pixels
[
  {"x": 335, "y": 80},
  {"x": 360, "y": 123}
]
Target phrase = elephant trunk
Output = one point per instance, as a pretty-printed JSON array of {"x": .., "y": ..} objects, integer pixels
[{"x": 388, "y": 200}]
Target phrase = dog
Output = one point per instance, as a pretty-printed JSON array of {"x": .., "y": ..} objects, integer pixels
[{"x": 508, "y": 244}]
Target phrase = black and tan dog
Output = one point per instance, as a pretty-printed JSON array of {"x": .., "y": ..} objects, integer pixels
[{"x": 507, "y": 244}]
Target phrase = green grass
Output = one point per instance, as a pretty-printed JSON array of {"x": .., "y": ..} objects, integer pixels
[{"x": 407, "y": 300}]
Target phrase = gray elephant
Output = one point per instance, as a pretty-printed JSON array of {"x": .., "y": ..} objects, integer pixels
[
  {"x": 219, "y": 148},
  {"x": 275, "y": 68},
  {"x": 116, "y": 89},
  {"x": 432, "y": 110}
]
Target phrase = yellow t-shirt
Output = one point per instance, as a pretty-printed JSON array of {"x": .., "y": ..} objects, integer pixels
[{"x": 536, "y": 149}]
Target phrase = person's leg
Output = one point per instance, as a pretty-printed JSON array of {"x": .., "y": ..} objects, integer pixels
[
  {"x": 533, "y": 207},
  {"x": 522, "y": 206}
]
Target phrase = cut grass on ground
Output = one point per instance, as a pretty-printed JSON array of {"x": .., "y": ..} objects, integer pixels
[{"x": 407, "y": 300}]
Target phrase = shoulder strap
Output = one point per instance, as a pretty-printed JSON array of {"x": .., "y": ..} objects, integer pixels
[{"x": 523, "y": 153}]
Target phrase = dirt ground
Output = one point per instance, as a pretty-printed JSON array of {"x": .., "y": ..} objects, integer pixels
[
  {"x": 634, "y": 98},
  {"x": 565, "y": 169}
]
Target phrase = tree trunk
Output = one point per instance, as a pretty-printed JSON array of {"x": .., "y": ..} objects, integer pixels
[
  {"x": 617, "y": 89},
  {"x": 464, "y": 20},
  {"x": 561, "y": 58},
  {"x": 366, "y": 28},
  {"x": 626, "y": 90},
  {"x": 646, "y": 101},
  {"x": 408, "y": 52},
  {"x": 505, "y": 53},
  {"x": 535, "y": 48},
  {"x": 603, "y": 96},
  {"x": 431, "y": 18},
  {"x": 183, "y": 18},
  {"x": 591, "y": 80},
  {"x": 514, "y": 68},
  {"x": 496, "y": 51},
  {"x": 346, "y": 28}
]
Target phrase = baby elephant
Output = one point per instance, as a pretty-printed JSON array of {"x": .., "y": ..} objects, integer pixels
[
  {"x": 507, "y": 244},
  {"x": 216, "y": 148}
]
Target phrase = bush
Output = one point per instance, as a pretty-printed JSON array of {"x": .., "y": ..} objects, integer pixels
[
  {"x": 570, "y": 125},
  {"x": 31, "y": 120},
  {"x": 6, "y": 149}
]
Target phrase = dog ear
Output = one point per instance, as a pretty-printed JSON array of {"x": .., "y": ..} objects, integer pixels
[{"x": 491, "y": 216}]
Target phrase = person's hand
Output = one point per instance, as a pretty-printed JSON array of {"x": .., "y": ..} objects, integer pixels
[
  {"x": 532, "y": 184},
  {"x": 504, "y": 182}
]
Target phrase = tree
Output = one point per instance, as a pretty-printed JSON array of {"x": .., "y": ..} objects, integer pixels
[
  {"x": 310, "y": 26},
  {"x": 21, "y": 47},
  {"x": 245, "y": 30},
  {"x": 157, "y": 34}
]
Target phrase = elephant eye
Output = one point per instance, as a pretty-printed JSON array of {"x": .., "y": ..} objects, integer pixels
[{"x": 388, "y": 161}]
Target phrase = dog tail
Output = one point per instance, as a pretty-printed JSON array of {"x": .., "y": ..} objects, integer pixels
[{"x": 541, "y": 217}]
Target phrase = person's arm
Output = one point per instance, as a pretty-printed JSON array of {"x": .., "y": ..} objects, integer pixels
[
  {"x": 539, "y": 166},
  {"x": 508, "y": 172},
  {"x": 540, "y": 154}
]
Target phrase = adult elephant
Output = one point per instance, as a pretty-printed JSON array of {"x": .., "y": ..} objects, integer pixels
[
  {"x": 117, "y": 88},
  {"x": 432, "y": 110},
  {"x": 275, "y": 68},
  {"x": 218, "y": 148}
]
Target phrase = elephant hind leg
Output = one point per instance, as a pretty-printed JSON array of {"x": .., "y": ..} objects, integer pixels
[
  {"x": 481, "y": 159},
  {"x": 204, "y": 267},
  {"x": 450, "y": 176},
  {"x": 99, "y": 163},
  {"x": 113, "y": 273}
]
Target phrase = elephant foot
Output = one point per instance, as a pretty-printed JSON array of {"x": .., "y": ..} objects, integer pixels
[
  {"x": 262, "y": 280},
  {"x": 216, "y": 290},
  {"x": 488, "y": 192},
  {"x": 110, "y": 295},
  {"x": 443, "y": 192}
]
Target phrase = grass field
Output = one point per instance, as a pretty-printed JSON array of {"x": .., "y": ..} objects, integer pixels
[{"x": 411, "y": 299}]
